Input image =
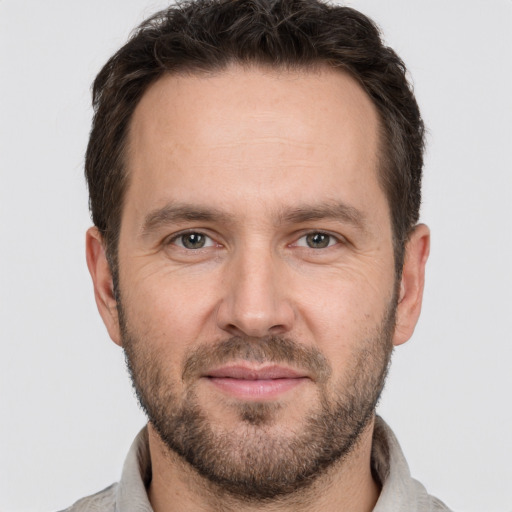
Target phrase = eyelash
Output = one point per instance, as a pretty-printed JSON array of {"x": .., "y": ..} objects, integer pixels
[
  {"x": 333, "y": 240},
  {"x": 178, "y": 236},
  {"x": 331, "y": 237}
]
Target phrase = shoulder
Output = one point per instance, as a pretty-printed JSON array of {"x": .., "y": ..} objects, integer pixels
[
  {"x": 400, "y": 491},
  {"x": 103, "y": 501},
  {"x": 421, "y": 501},
  {"x": 437, "y": 505}
]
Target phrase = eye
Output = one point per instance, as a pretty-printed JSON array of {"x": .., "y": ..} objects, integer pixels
[
  {"x": 193, "y": 240},
  {"x": 317, "y": 240}
]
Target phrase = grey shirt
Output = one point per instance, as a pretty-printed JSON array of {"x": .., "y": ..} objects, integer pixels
[{"x": 400, "y": 492}]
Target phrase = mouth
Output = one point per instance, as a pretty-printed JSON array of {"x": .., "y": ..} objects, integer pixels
[{"x": 247, "y": 382}]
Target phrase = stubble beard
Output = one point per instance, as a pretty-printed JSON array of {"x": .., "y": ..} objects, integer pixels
[{"x": 257, "y": 460}]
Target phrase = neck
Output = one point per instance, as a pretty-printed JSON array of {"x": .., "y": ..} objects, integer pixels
[{"x": 347, "y": 486}]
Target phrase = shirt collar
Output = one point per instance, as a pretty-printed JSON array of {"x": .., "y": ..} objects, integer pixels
[{"x": 400, "y": 492}]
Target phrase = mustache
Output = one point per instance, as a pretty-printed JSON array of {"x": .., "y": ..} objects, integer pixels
[{"x": 270, "y": 349}]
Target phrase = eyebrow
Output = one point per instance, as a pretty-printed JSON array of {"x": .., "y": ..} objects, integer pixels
[
  {"x": 173, "y": 213},
  {"x": 333, "y": 210}
]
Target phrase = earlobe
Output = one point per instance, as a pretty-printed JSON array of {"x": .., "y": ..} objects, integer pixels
[
  {"x": 412, "y": 284},
  {"x": 102, "y": 281}
]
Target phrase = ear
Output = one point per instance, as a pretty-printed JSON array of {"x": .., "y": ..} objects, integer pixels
[
  {"x": 103, "y": 283},
  {"x": 412, "y": 283}
]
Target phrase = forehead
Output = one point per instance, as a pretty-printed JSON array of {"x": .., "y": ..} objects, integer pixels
[{"x": 250, "y": 133}]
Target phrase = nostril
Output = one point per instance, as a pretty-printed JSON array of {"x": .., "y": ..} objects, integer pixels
[{"x": 277, "y": 329}]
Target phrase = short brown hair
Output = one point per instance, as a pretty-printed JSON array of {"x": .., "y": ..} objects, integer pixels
[{"x": 208, "y": 35}]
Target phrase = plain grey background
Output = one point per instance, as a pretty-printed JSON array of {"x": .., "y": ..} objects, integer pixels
[{"x": 67, "y": 412}]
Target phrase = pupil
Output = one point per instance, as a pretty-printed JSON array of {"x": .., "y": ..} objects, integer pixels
[
  {"x": 193, "y": 241},
  {"x": 318, "y": 240}
]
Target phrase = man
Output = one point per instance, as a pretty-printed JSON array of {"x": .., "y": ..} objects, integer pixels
[{"x": 254, "y": 171}]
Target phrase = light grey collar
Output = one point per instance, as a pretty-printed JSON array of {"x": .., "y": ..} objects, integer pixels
[{"x": 400, "y": 492}]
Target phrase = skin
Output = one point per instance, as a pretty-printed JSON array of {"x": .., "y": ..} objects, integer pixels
[{"x": 254, "y": 145}]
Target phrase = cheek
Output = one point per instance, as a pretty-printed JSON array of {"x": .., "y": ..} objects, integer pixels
[
  {"x": 342, "y": 310},
  {"x": 345, "y": 298},
  {"x": 169, "y": 308}
]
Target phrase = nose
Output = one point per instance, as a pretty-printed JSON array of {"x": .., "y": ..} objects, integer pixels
[{"x": 255, "y": 302}]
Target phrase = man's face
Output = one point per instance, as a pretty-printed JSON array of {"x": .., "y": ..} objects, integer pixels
[{"x": 256, "y": 272}]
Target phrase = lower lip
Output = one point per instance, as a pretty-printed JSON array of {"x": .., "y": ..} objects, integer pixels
[{"x": 264, "y": 389}]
